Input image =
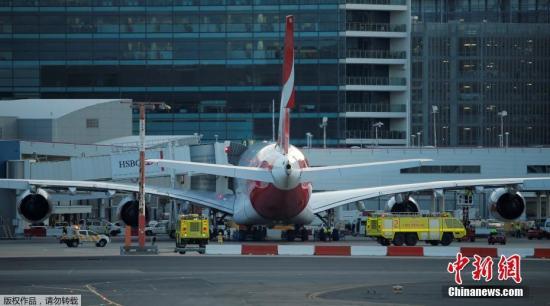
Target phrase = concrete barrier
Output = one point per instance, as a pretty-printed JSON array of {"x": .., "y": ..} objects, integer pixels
[
  {"x": 296, "y": 250},
  {"x": 259, "y": 249},
  {"x": 223, "y": 249},
  {"x": 333, "y": 250},
  {"x": 542, "y": 253},
  {"x": 441, "y": 251},
  {"x": 523, "y": 252},
  {"x": 471, "y": 251},
  {"x": 405, "y": 251},
  {"x": 368, "y": 250}
]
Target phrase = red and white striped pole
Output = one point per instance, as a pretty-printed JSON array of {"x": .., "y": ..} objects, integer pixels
[{"x": 141, "y": 220}]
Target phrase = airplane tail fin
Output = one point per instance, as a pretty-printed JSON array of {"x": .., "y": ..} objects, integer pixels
[{"x": 287, "y": 94}]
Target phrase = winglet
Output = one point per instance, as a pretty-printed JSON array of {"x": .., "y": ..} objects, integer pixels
[{"x": 287, "y": 94}]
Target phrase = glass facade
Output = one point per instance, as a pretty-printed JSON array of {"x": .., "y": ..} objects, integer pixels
[
  {"x": 474, "y": 59},
  {"x": 216, "y": 62}
]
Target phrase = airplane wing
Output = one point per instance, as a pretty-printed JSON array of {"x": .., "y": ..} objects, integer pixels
[
  {"x": 222, "y": 202},
  {"x": 307, "y": 175},
  {"x": 247, "y": 173},
  {"x": 321, "y": 173},
  {"x": 321, "y": 201}
]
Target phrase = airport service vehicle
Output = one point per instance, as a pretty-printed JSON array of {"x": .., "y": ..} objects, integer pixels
[
  {"x": 540, "y": 230},
  {"x": 57, "y": 229},
  {"x": 75, "y": 237},
  {"x": 497, "y": 237},
  {"x": 273, "y": 182},
  {"x": 537, "y": 233},
  {"x": 192, "y": 229},
  {"x": 101, "y": 226},
  {"x": 155, "y": 228},
  {"x": 36, "y": 231},
  {"x": 407, "y": 229}
]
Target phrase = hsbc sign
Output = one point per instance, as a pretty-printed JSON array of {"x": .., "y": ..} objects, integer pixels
[{"x": 126, "y": 165}]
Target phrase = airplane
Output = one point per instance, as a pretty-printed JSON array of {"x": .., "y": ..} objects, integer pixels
[{"x": 273, "y": 181}]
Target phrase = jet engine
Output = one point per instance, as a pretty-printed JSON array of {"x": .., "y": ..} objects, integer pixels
[
  {"x": 34, "y": 206},
  {"x": 506, "y": 205},
  {"x": 400, "y": 203},
  {"x": 128, "y": 211}
]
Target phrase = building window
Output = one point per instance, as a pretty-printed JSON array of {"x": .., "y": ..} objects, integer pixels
[
  {"x": 92, "y": 123},
  {"x": 538, "y": 168},
  {"x": 442, "y": 169}
]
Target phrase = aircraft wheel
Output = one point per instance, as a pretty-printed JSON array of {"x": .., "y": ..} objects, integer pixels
[{"x": 398, "y": 239}]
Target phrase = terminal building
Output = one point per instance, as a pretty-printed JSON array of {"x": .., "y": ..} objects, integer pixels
[
  {"x": 474, "y": 59},
  {"x": 218, "y": 63}
]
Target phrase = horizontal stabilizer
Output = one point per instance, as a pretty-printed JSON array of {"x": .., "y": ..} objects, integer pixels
[
  {"x": 322, "y": 173},
  {"x": 247, "y": 173}
]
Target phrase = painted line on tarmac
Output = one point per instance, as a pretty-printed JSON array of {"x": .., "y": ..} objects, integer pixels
[{"x": 101, "y": 296}]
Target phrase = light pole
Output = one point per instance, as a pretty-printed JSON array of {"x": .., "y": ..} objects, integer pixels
[
  {"x": 413, "y": 136},
  {"x": 308, "y": 139},
  {"x": 216, "y": 136},
  {"x": 502, "y": 114},
  {"x": 141, "y": 219},
  {"x": 323, "y": 125},
  {"x": 376, "y": 126},
  {"x": 418, "y": 134},
  {"x": 435, "y": 110}
]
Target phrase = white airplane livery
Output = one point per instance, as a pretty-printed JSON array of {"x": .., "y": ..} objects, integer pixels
[{"x": 273, "y": 181}]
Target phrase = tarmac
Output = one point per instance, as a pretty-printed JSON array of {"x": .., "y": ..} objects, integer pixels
[
  {"x": 102, "y": 277},
  {"x": 255, "y": 280}
]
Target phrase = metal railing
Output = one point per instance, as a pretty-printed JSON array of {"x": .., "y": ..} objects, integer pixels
[
  {"x": 388, "y": 2},
  {"x": 376, "y": 27},
  {"x": 352, "y": 80},
  {"x": 371, "y": 134},
  {"x": 359, "y": 53},
  {"x": 375, "y": 107}
]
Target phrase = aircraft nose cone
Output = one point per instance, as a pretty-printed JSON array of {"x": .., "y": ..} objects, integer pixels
[{"x": 276, "y": 204}]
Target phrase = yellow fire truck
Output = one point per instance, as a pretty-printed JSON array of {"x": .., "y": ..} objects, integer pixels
[
  {"x": 192, "y": 229},
  {"x": 407, "y": 228}
]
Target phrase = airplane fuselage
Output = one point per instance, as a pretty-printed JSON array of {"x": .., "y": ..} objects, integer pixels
[{"x": 286, "y": 200}]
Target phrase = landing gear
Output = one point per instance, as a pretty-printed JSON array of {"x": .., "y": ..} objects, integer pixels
[
  {"x": 299, "y": 231},
  {"x": 254, "y": 233}
]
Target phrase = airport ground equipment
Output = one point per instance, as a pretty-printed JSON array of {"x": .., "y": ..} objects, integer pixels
[
  {"x": 74, "y": 237},
  {"x": 101, "y": 227},
  {"x": 192, "y": 229},
  {"x": 408, "y": 228}
]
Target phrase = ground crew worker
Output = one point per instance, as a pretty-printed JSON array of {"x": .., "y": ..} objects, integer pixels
[
  {"x": 322, "y": 236},
  {"x": 327, "y": 233},
  {"x": 518, "y": 230},
  {"x": 220, "y": 237}
]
